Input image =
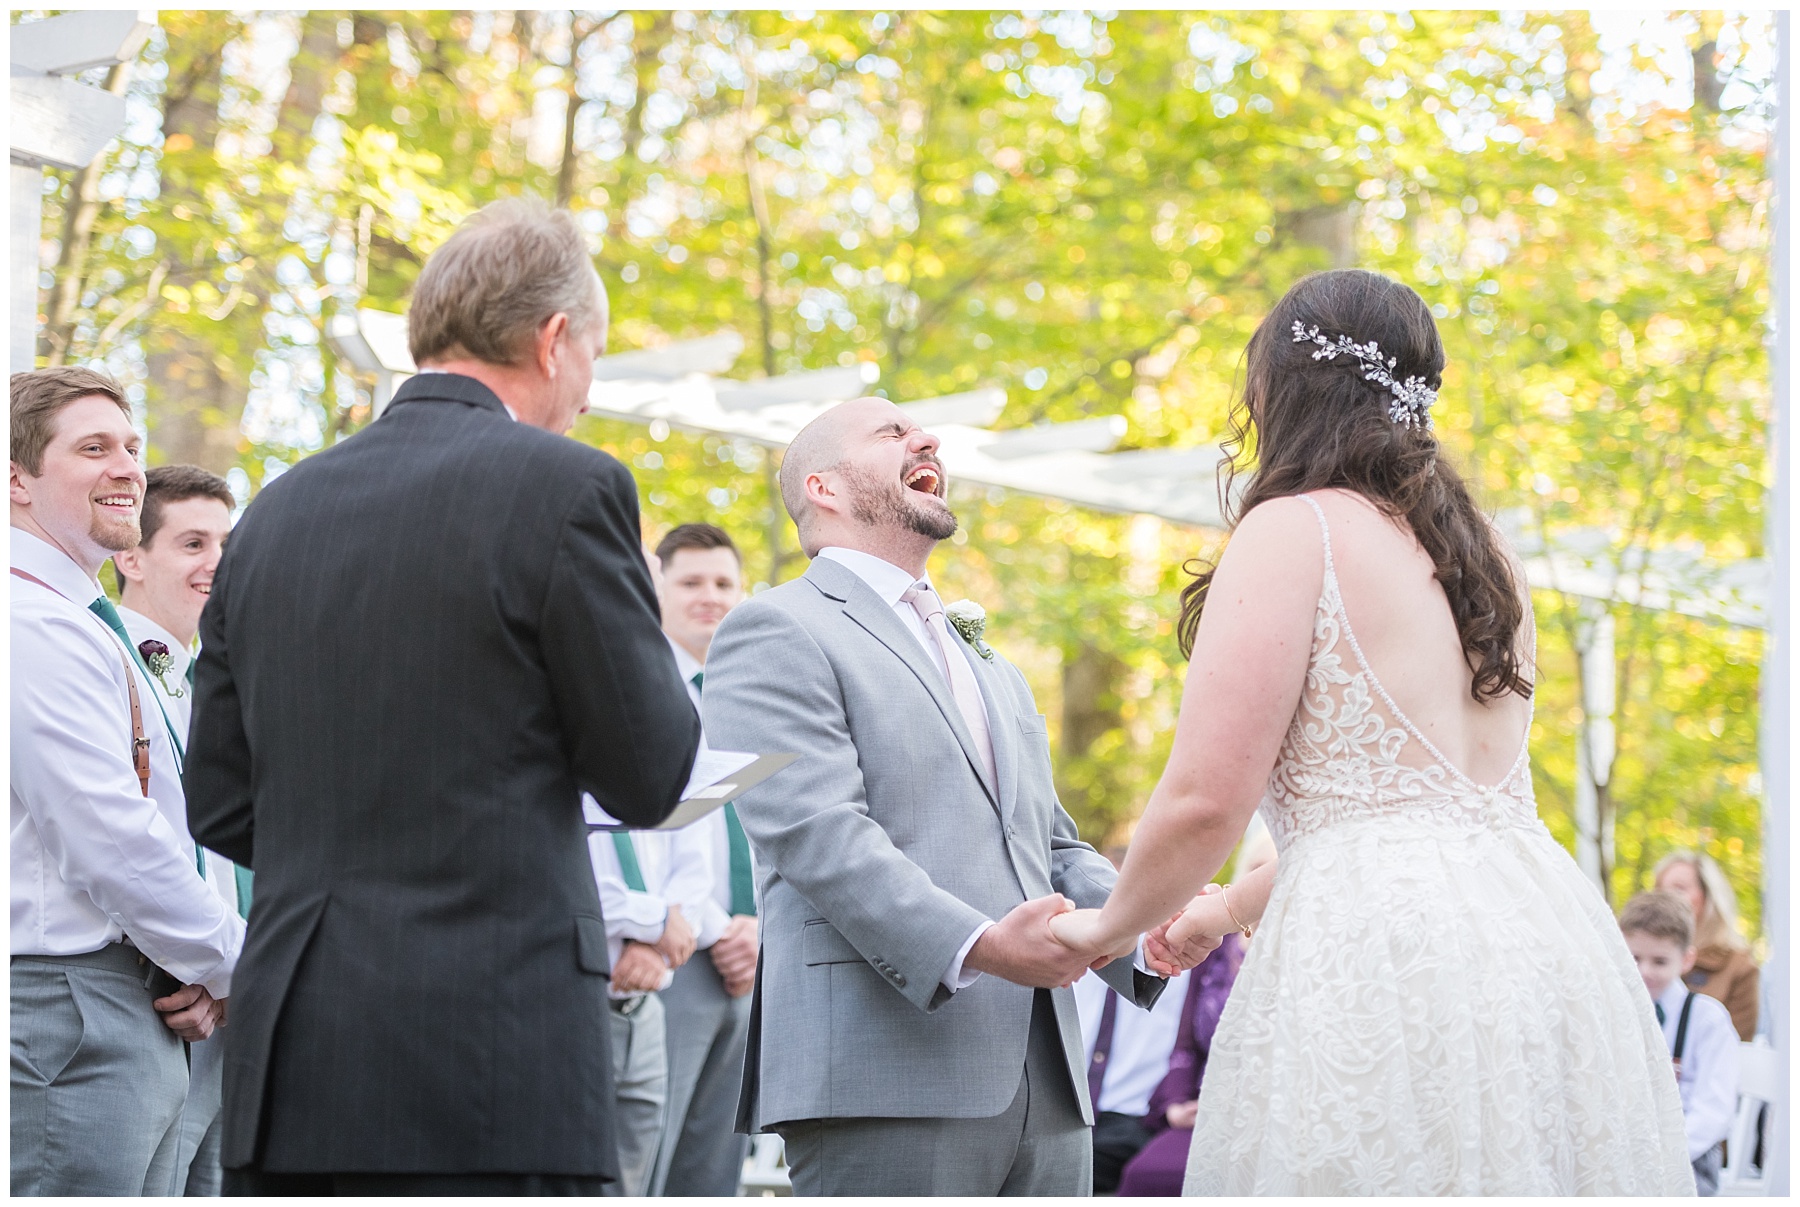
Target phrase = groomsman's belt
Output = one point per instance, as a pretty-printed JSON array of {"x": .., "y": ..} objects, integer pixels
[
  {"x": 118, "y": 957},
  {"x": 625, "y": 1007}
]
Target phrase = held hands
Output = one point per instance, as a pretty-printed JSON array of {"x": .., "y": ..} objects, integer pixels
[
  {"x": 734, "y": 955},
  {"x": 641, "y": 968},
  {"x": 677, "y": 941},
  {"x": 1084, "y": 931},
  {"x": 1190, "y": 936},
  {"x": 1024, "y": 949},
  {"x": 191, "y": 1012}
]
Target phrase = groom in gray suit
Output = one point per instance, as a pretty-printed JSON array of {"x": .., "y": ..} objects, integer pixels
[{"x": 911, "y": 1027}]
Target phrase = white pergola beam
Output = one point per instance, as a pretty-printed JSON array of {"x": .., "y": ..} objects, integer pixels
[
  {"x": 809, "y": 386},
  {"x": 56, "y": 123},
  {"x": 710, "y": 354},
  {"x": 74, "y": 42},
  {"x": 1100, "y": 435},
  {"x": 975, "y": 408}
]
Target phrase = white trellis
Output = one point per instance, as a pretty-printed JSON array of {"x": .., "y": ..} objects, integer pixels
[{"x": 57, "y": 123}]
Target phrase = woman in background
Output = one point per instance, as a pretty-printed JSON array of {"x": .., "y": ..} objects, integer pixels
[{"x": 1723, "y": 968}]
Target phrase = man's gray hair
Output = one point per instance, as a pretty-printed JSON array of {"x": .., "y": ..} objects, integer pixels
[{"x": 506, "y": 271}]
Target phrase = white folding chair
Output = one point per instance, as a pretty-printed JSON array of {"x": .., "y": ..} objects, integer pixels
[
  {"x": 1759, "y": 1077},
  {"x": 765, "y": 1169}
]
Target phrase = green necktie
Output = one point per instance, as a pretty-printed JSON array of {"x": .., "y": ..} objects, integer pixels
[
  {"x": 103, "y": 608},
  {"x": 628, "y": 864},
  {"x": 244, "y": 877},
  {"x": 193, "y": 661},
  {"x": 743, "y": 881}
]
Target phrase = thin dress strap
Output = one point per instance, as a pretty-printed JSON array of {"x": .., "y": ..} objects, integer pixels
[{"x": 1324, "y": 532}]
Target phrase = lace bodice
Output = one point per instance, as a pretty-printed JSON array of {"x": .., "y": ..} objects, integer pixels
[{"x": 1352, "y": 753}]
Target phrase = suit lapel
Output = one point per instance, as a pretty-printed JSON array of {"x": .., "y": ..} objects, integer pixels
[{"x": 867, "y": 610}]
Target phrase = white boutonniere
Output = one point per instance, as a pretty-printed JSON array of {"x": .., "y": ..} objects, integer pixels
[{"x": 969, "y": 619}]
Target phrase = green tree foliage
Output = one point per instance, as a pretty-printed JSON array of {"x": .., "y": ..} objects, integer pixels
[{"x": 1091, "y": 210}]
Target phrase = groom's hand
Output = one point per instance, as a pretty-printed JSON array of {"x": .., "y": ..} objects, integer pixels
[{"x": 1020, "y": 948}]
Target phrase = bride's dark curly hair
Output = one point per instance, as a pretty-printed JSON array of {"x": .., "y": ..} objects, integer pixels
[{"x": 1317, "y": 424}]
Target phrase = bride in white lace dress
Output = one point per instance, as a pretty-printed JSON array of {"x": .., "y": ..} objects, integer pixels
[{"x": 1437, "y": 1000}]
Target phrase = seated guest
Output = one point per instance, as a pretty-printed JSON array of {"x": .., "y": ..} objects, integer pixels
[
  {"x": 1128, "y": 1052},
  {"x": 163, "y": 585},
  {"x": 649, "y": 882},
  {"x": 1659, "y": 930},
  {"x": 1723, "y": 966},
  {"x": 1158, "y": 1169}
]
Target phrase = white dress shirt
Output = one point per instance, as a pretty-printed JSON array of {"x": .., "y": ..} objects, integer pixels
[
  {"x": 180, "y": 710},
  {"x": 677, "y": 869},
  {"x": 1709, "y": 1066},
  {"x": 93, "y": 859},
  {"x": 1142, "y": 1042},
  {"x": 711, "y": 914}
]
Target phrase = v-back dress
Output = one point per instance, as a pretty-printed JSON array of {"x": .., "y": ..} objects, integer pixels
[{"x": 1437, "y": 1001}]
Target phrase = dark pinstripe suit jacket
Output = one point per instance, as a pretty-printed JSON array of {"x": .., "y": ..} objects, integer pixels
[{"x": 422, "y": 644}]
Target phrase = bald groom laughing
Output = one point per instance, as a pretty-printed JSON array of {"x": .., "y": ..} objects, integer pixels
[{"x": 911, "y": 1030}]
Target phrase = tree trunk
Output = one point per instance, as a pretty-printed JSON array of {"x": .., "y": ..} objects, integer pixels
[
  {"x": 1329, "y": 227},
  {"x": 579, "y": 30},
  {"x": 195, "y": 399},
  {"x": 646, "y": 59},
  {"x": 1088, "y": 786},
  {"x": 78, "y": 234},
  {"x": 197, "y": 394}
]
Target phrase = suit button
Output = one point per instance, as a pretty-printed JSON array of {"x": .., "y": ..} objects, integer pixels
[{"x": 899, "y": 980}]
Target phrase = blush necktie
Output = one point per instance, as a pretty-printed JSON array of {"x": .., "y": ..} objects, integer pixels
[{"x": 964, "y": 688}]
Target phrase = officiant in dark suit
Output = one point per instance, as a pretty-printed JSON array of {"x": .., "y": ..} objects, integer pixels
[{"x": 422, "y": 645}]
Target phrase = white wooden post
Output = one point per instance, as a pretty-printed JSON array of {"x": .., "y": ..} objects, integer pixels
[
  {"x": 1778, "y": 730},
  {"x": 57, "y": 123},
  {"x": 1596, "y": 740}
]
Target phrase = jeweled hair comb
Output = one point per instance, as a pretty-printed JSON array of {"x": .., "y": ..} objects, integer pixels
[{"x": 1411, "y": 399}]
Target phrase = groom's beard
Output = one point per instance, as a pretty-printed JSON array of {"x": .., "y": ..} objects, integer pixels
[{"x": 881, "y": 504}]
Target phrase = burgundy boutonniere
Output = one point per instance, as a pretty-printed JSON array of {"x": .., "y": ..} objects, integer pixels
[{"x": 157, "y": 657}]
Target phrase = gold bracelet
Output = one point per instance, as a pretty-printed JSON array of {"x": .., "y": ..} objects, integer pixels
[{"x": 1231, "y": 913}]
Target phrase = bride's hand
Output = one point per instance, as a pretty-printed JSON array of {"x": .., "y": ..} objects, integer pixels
[
  {"x": 1189, "y": 937},
  {"x": 1082, "y": 930}
]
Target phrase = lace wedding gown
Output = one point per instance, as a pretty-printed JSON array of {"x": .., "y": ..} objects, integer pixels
[{"x": 1437, "y": 1001}]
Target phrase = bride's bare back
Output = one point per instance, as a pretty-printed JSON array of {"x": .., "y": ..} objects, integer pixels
[{"x": 1401, "y": 620}]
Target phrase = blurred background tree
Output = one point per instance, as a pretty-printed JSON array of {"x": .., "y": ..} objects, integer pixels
[{"x": 1092, "y": 210}]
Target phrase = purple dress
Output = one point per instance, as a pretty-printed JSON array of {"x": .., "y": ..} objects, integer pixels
[{"x": 1158, "y": 1169}]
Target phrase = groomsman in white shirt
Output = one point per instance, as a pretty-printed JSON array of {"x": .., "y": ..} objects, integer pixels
[
  {"x": 121, "y": 953},
  {"x": 163, "y": 585},
  {"x": 649, "y": 882},
  {"x": 707, "y": 1008}
]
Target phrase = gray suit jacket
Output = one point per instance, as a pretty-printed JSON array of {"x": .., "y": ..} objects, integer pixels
[{"x": 880, "y": 851}]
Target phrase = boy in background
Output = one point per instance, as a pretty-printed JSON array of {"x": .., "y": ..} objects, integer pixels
[{"x": 1659, "y": 930}]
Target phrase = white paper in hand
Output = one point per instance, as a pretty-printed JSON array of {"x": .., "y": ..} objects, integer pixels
[
  {"x": 712, "y": 768},
  {"x": 718, "y": 775}
]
